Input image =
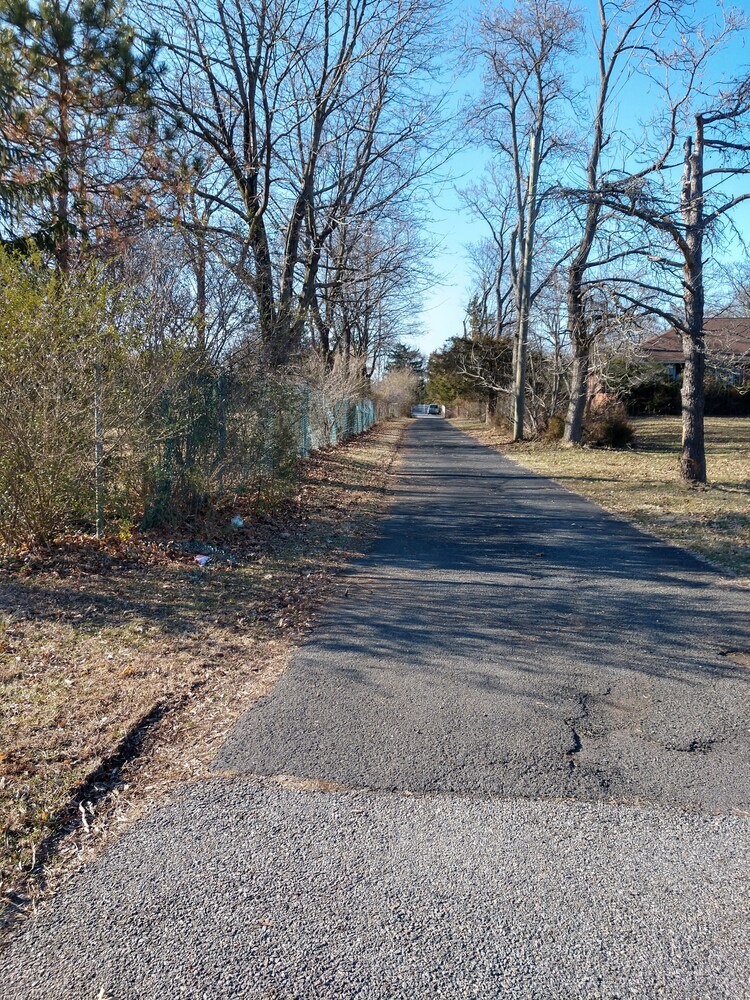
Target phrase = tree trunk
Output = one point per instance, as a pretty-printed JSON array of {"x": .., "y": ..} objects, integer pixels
[
  {"x": 556, "y": 359},
  {"x": 579, "y": 390},
  {"x": 693, "y": 457},
  {"x": 579, "y": 376},
  {"x": 201, "y": 300},
  {"x": 524, "y": 296},
  {"x": 519, "y": 380},
  {"x": 62, "y": 207},
  {"x": 498, "y": 332},
  {"x": 347, "y": 346},
  {"x": 98, "y": 450},
  {"x": 490, "y": 412},
  {"x": 275, "y": 339}
]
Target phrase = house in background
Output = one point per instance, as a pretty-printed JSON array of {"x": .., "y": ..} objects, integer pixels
[{"x": 727, "y": 349}]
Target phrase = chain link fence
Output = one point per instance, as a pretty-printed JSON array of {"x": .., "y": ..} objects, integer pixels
[
  {"x": 326, "y": 422},
  {"x": 229, "y": 434},
  {"x": 109, "y": 421},
  {"x": 201, "y": 439}
]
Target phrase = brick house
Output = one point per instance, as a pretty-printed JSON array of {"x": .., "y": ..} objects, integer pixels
[{"x": 727, "y": 349}]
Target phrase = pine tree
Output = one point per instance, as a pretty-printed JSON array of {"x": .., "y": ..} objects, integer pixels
[
  {"x": 404, "y": 357},
  {"x": 77, "y": 95}
]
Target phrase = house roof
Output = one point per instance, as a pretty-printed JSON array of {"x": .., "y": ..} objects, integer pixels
[{"x": 726, "y": 337}]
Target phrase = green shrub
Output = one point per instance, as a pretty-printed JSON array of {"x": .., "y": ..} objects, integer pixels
[
  {"x": 644, "y": 387},
  {"x": 647, "y": 389},
  {"x": 724, "y": 400}
]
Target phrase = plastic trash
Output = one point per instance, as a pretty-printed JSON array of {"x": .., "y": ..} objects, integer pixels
[
  {"x": 202, "y": 560},
  {"x": 238, "y": 522}
]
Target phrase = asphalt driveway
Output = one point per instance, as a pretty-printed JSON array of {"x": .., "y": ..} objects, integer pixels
[{"x": 508, "y": 637}]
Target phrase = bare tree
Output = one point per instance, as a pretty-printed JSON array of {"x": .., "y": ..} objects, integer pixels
[
  {"x": 302, "y": 104},
  {"x": 628, "y": 43},
  {"x": 715, "y": 153},
  {"x": 523, "y": 51},
  {"x": 550, "y": 350},
  {"x": 492, "y": 200},
  {"x": 371, "y": 276}
]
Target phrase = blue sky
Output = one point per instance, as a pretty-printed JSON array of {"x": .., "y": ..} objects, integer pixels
[{"x": 453, "y": 229}]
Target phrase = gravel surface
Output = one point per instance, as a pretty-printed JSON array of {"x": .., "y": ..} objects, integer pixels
[
  {"x": 245, "y": 889},
  {"x": 517, "y": 765}
]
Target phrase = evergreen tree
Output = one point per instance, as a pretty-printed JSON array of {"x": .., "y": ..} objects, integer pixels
[
  {"x": 75, "y": 88},
  {"x": 404, "y": 357},
  {"x": 471, "y": 368}
]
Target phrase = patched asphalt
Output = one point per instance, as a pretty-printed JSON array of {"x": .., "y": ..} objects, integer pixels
[
  {"x": 245, "y": 889},
  {"x": 518, "y": 761},
  {"x": 507, "y": 637}
]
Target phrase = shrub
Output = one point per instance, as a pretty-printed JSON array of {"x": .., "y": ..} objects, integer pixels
[
  {"x": 657, "y": 398},
  {"x": 108, "y": 418},
  {"x": 724, "y": 400},
  {"x": 330, "y": 391},
  {"x": 555, "y": 428},
  {"x": 57, "y": 349},
  {"x": 645, "y": 387},
  {"x": 396, "y": 392},
  {"x": 610, "y": 428},
  {"x": 173, "y": 433},
  {"x": 219, "y": 431}
]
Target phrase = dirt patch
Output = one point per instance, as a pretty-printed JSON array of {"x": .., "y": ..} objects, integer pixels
[
  {"x": 123, "y": 664},
  {"x": 738, "y": 656}
]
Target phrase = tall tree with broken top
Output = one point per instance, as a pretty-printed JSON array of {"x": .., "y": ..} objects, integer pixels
[{"x": 715, "y": 154}]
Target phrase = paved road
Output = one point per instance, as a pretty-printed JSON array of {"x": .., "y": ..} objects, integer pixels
[{"x": 520, "y": 762}]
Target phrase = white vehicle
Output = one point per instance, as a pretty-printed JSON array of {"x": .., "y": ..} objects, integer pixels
[{"x": 428, "y": 410}]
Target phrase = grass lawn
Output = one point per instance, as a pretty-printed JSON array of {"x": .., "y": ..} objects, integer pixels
[
  {"x": 124, "y": 664},
  {"x": 643, "y": 483}
]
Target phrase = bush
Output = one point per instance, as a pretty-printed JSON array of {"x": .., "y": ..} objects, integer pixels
[
  {"x": 647, "y": 389},
  {"x": 657, "y": 398},
  {"x": 555, "y": 428},
  {"x": 58, "y": 346},
  {"x": 644, "y": 387},
  {"x": 173, "y": 433},
  {"x": 219, "y": 431},
  {"x": 723, "y": 400},
  {"x": 108, "y": 418},
  {"x": 396, "y": 392},
  {"x": 610, "y": 428}
]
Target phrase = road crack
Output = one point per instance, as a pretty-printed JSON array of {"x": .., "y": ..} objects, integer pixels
[{"x": 573, "y": 723}]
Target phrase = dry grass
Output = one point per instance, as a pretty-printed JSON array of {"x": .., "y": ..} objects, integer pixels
[
  {"x": 123, "y": 665},
  {"x": 643, "y": 483}
]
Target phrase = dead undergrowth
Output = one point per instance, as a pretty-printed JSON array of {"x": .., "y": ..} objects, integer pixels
[{"x": 124, "y": 663}]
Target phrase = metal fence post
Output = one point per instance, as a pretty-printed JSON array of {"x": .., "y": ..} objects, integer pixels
[{"x": 306, "y": 421}]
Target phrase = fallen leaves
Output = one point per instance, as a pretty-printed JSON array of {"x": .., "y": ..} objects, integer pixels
[{"x": 100, "y": 631}]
